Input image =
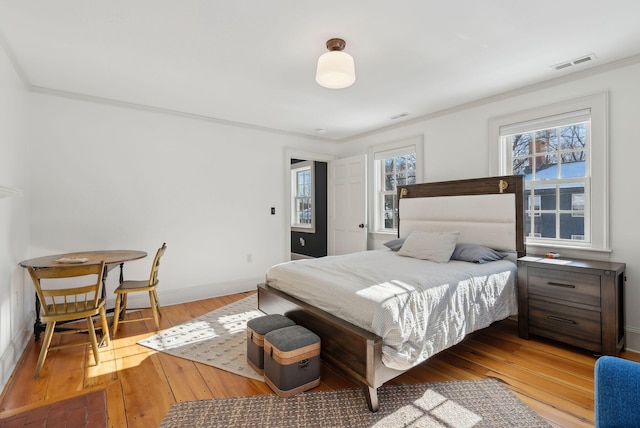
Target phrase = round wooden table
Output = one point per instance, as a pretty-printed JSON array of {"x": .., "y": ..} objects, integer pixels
[{"x": 112, "y": 258}]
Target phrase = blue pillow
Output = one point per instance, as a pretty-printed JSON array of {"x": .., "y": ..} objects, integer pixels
[
  {"x": 476, "y": 254},
  {"x": 394, "y": 244}
]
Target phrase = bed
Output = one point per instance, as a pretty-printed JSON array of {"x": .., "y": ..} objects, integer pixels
[{"x": 368, "y": 340}]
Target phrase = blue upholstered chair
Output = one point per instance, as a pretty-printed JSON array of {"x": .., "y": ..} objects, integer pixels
[{"x": 617, "y": 393}]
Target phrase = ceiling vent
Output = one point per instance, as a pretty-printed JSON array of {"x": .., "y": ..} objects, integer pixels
[
  {"x": 399, "y": 116},
  {"x": 576, "y": 61}
]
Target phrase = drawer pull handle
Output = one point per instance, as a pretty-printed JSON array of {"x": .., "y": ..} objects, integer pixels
[
  {"x": 559, "y": 284},
  {"x": 551, "y": 317}
]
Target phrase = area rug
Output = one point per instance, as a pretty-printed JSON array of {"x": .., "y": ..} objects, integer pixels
[
  {"x": 458, "y": 404},
  {"x": 217, "y": 338},
  {"x": 86, "y": 410}
]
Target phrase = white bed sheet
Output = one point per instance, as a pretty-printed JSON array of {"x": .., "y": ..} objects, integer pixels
[{"x": 418, "y": 307}]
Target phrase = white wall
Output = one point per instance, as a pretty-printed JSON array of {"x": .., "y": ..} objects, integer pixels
[
  {"x": 16, "y": 295},
  {"x": 111, "y": 177},
  {"x": 465, "y": 132}
]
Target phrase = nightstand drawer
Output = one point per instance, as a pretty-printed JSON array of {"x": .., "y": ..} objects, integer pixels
[
  {"x": 570, "y": 286},
  {"x": 579, "y": 302},
  {"x": 575, "y": 326}
]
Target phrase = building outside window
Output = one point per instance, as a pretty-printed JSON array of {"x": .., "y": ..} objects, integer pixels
[
  {"x": 302, "y": 197},
  {"x": 534, "y": 201},
  {"x": 577, "y": 204}
]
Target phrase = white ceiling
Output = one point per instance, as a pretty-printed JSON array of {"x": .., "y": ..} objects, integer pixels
[{"x": 253, "y": 61}]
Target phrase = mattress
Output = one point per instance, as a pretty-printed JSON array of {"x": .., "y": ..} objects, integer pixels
[{"x": 418, "y": 307}]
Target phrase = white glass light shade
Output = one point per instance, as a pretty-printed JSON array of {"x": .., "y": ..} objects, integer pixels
[{"x": 335, "y": 70}]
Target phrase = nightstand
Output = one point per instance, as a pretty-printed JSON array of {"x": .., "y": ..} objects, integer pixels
[{"x": 578, "y": 302}]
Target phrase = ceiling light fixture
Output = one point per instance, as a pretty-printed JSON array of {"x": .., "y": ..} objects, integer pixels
[{"x": 335, "y": 68}]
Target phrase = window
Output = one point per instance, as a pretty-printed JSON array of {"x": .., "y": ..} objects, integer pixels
[
  {"x": 394, "y": 165},
  {"x": 394, "y": 171},
  {"x": 561, "y": 151},
  {"x": 554, "y": 163},
  {"x": 302, "y": 197}
]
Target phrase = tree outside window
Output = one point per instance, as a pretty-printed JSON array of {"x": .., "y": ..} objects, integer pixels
[
  {"x": 395, "y": 171},
  {"x": 393, "y": 164}
]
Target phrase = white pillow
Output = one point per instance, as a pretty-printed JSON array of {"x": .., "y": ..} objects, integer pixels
[{"x": 434, "y": 246}]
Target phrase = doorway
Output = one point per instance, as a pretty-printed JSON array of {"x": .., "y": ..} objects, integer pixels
[
  {"x": 318, "y": 241},
  {"x": 308, "y": 209}
]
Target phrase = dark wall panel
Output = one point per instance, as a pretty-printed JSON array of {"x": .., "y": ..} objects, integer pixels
[{"x": 315, "y": 244}]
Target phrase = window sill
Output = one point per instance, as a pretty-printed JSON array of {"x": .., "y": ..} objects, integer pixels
[
  {"x": 303, "y": 229},
  {"x": 569, "y": 251},
  {"x": 383, "y": 235}
]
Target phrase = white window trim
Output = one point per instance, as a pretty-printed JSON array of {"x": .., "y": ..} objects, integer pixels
[
  {"x": 598, "y": 106},
  {"x": 298, "y": 227},
  {"x": 415, "y": 143}
]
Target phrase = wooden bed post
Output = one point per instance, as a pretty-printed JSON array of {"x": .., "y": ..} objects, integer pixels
[{"x": 371, "y": 395}]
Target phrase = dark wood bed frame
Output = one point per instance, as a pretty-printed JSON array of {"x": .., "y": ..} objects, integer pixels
[{"x": 351, "y": 350}]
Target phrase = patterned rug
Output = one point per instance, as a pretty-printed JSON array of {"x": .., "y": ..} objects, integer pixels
[
  {"x": 459, "y": 404},
  {"x": 217, "y": 338}
]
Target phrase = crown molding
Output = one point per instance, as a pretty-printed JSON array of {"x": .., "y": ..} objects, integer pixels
[
  {"x": 160, "y": 110},
  {"x": 625, "y": 62}
]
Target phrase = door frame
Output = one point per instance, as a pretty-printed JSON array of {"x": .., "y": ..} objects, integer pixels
[{"x": 290, "y": 154}]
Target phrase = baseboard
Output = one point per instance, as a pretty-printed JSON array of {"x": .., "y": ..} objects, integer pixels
[
  {"x": 190, "y": 294},
  {"x": 632, "y": 336},
  {"x": 298, "y": 256},
  {"x": 11, "y": 356}
]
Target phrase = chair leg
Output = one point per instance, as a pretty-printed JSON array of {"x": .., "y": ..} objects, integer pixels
[
  {"x": 123, "y": 311},
  {"x": 116, "y": 314},
  {"x": 94, "y": 340},
  {"x": 154, "y": 309},
  {"x": 48, "y": 334},
  {"x": 155, "y": 295},
  {"x": 105, "y": 326}
]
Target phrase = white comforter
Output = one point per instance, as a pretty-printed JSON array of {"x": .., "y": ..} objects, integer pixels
[{"x": 418, "y": 307}]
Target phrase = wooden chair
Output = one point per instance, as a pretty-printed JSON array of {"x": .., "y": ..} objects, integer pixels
[
  {"x": 149, "y": 285},
  {"x": 69, "y": 304}
]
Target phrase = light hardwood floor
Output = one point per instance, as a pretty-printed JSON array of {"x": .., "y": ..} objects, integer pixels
[{"x": 554, "y": 380}]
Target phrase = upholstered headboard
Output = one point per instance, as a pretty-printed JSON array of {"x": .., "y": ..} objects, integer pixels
[{"x": 485, "y": 211}]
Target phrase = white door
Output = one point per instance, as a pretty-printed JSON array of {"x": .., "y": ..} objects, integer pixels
[{"x": 348, "y": 205}]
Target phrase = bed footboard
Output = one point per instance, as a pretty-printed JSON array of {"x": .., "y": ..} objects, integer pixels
[{"x": 351, "y": 350}]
